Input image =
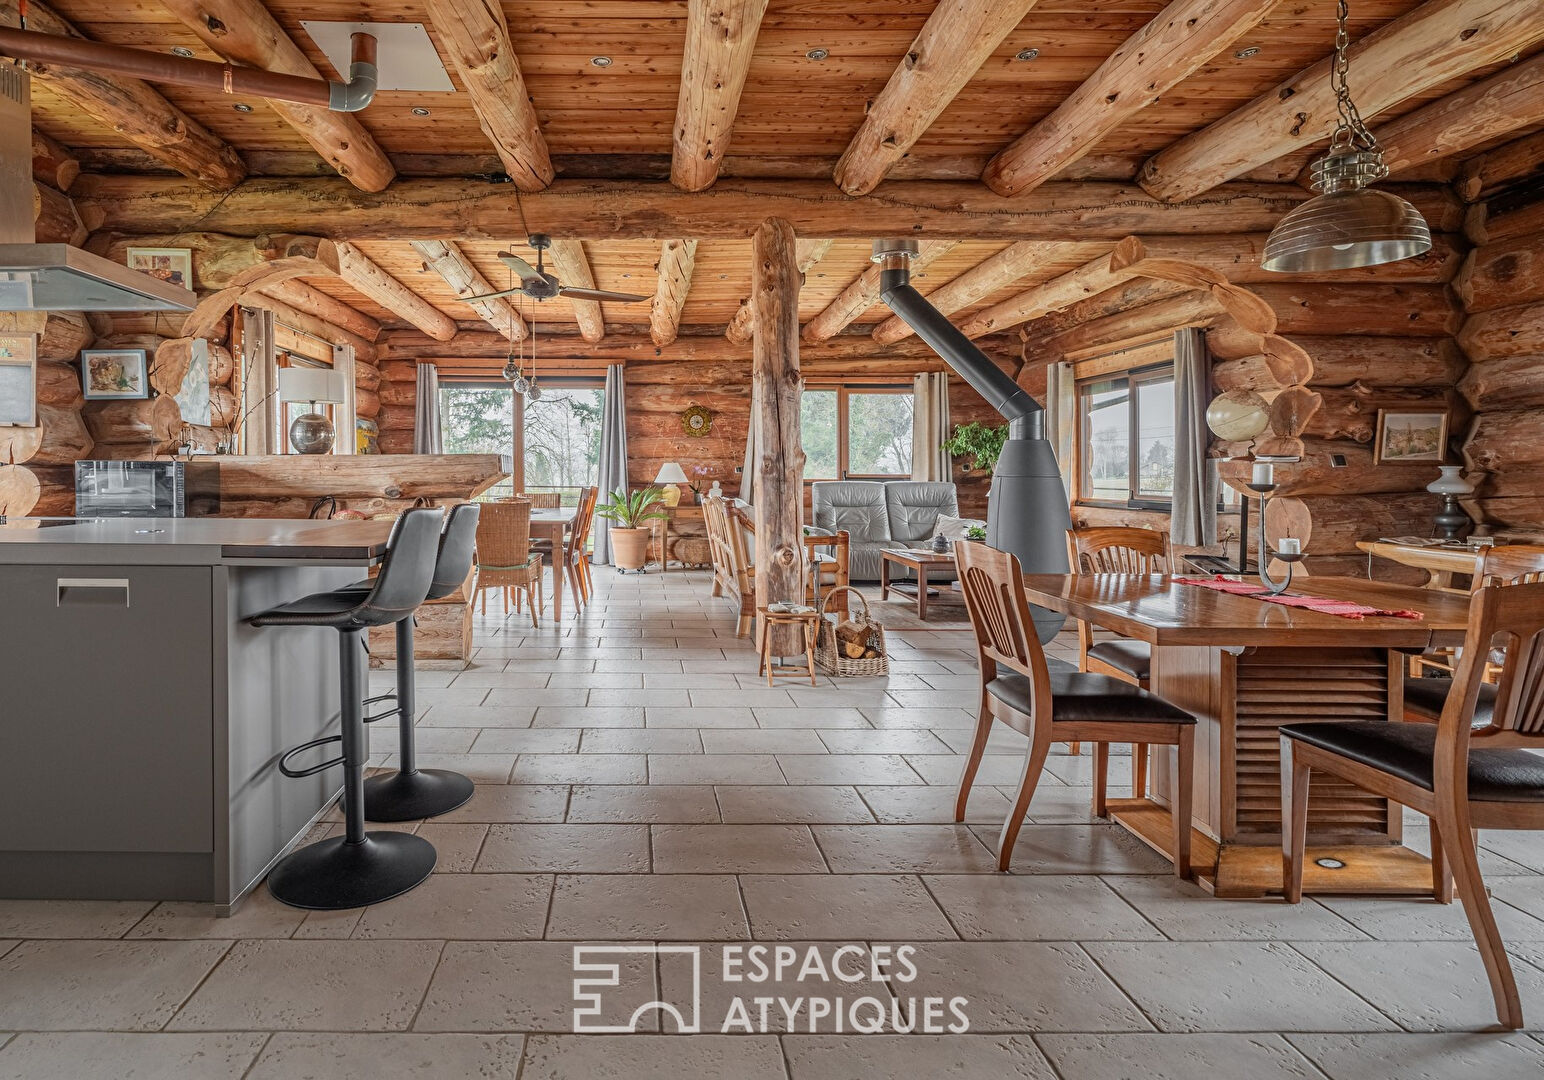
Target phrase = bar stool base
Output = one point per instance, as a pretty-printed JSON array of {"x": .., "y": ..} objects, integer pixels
[
  {"x": 333, "y": 875},
  {"x": 422, "y": 793}
]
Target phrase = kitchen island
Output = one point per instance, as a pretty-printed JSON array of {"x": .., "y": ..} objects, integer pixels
[{"x": 143, "y": 718}]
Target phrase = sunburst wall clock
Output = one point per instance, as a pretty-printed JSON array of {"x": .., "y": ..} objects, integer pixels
[{"x": 697, "y": 421}]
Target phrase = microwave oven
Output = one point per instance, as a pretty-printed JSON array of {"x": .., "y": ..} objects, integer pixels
[{"x": 130, "y": 489}]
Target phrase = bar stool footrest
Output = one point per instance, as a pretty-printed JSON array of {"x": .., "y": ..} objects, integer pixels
[
  {"x": 333, "y": 875},
  {"x": 295, "y": 774}
]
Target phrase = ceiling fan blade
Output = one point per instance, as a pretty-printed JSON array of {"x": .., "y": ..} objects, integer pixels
[
  {"x": 601, "y": 294},
  {"x": 488, "y": 296},
  {"x": 526, "y": 271}
]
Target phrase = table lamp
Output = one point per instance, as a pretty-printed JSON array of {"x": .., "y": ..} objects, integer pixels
[
  {"x": 671, "y": 474},
  {"x": 1451, "y": 521},
  {"x": 312, "y": 432}
]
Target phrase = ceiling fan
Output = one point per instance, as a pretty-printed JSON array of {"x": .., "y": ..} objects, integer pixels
[{"x": 538, "y": 284}]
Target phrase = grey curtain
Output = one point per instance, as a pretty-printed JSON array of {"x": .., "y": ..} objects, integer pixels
[
  {"x": 613, "y": 455},
  {"x": 1193, "y": 520},
  {"x": 427, "y": 438},
  {"x": 748, "y": 466},
  {"x": 1061, "y": 404},
  {"x": 930, "y": 427}
]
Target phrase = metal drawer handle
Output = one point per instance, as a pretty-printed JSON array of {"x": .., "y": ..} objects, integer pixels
[{"x": 96, "y": 591}]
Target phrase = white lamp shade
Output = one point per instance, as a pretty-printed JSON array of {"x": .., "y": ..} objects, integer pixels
[
  {"x": 310, "y": 384},
  {"x": 1450, "y": 482},
  {"x": 671, "y": 473}
]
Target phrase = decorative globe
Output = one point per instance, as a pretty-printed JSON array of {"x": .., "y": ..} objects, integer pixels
[
  {"x": 1238, "y": 415},
  {"x": 533, "y": 392}
]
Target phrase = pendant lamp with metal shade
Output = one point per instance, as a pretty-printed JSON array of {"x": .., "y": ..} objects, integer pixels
[{"x": 1348, "y": 224}]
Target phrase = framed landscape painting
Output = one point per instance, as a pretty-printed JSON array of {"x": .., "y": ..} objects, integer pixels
[
  {"x": 18, "y": 380},
  {"x": 171, "y": 265},
  {"x": 108, "y": 374},
  {"x": 1411, "y": 436}
]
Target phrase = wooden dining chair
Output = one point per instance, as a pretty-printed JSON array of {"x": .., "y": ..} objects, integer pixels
[
  {"x": 1463, "y": 777},
  {"x": 1118, "y": 550},
  {"x": 505, "y": 560},
  {"x": 576, "y": 555},
  {"x": 1018, "y": 689}
]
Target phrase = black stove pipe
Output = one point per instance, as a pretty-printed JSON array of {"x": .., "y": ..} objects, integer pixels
[{"x": 1027, "y": 510}]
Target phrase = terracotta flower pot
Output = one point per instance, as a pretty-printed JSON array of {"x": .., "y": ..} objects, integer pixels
[{"x": 629, "y": 547}]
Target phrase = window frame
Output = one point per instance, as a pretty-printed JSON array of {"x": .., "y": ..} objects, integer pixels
[
  {"x": 1130, "y": 380},
  {"x": 844, "y": 390}
]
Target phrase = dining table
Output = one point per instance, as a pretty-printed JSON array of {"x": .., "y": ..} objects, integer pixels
[
  {"x": 555, "y": 526},
  {"x": 1245, "y": 667}
]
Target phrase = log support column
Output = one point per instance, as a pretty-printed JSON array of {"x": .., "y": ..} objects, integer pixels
[{"x": 779, "y": 494}]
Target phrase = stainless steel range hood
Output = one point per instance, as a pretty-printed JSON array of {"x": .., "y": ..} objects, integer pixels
[{"x": 56, "y": 277}]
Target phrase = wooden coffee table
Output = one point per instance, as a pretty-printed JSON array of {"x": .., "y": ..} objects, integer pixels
[{"x": 918, "y": 562}]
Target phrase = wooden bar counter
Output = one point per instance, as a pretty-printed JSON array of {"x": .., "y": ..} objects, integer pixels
[{"x": 1245, "y": 668}]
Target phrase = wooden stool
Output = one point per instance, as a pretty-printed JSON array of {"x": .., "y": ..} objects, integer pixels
[{"x": 809, "y": 620}]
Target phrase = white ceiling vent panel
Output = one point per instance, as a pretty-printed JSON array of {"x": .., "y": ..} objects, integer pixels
[{"x": 407, "y": 59}]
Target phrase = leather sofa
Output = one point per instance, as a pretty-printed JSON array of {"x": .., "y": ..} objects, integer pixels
[{"x": 880, "y": 514}]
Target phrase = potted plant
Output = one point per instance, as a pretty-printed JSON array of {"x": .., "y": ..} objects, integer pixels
[
  {"x": 629, "y": 532},
  {"x": 983, "y": 445}
]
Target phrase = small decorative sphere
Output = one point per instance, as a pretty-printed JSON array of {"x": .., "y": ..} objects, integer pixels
[
  {"x": 1238, "y": 415},
  {"x": 311, "y": 433},
  {"x": 533, "y": 392}
]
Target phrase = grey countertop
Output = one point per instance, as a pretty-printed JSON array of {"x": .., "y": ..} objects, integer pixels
[{"x": 193, "y": 540}]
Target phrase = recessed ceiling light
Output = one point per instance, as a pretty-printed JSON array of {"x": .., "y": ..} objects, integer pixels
[
  {"x": 419, "y": 110},
  {"x": 242, "y": 106},
  {"x": 600, "y": 61},
  {"x": 1026, "y": 54},
  {"x": 1245, "y": 54},
  {"x": 818, "y": 54},
  {"x": 182, "y": 51}
]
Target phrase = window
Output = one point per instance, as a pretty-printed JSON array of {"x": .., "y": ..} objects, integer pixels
[
  {"x": 1126, "y": 439},
  {"x": 856, "y": 431},
  {"x": 562, "y": 431}
]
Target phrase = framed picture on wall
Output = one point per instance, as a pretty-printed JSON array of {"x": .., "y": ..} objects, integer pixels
[
  {"x": 171, "y": 265},
  {"x": 1411, "y": 437},
  {"x": 18, "y": 380},
  {"x": 108, "y": 374}
]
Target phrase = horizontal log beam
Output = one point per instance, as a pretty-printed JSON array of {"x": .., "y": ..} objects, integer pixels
[
  {"x": 297, "y": 294},
  {"x": 53, "y": 163},
  {"x": 1099, "y": 274},
  {"x": 465, "y": 280},
  {"x": 862, "y": 293}
]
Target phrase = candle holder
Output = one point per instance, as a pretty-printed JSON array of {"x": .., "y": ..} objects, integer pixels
[{"x": 1278, "y": 587}]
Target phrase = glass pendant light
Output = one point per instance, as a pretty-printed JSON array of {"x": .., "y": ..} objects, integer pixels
[{"x": 1348, "y": 224}]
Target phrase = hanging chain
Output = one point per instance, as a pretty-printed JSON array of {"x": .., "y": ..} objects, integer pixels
[{"x": 1351, "y": 133}]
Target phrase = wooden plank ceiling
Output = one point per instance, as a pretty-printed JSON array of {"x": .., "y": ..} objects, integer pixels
[{"x": 798, "y": 112}]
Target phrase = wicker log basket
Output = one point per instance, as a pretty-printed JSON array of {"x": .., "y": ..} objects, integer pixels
[{"x": 854, "y": 646}]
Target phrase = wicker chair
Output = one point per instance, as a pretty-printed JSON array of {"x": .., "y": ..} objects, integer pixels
[
  {"x": 542, "y": 500},
  {"x": 504, "y": 557}
]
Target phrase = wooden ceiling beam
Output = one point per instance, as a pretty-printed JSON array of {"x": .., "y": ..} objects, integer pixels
[
  {"x": 302, "y": 297},
  {"x": 862, "y": 293},
  {"x": 476, "y": 36},
  {"x": 243, "y": 31},
  {"x": 720, "y": 38},
  {"x": 450, "y": 263},
  {"x": 1438, "y": 41},
  {"x": 676, "y": 259},
  {"x": 1090, "y": 279},
  {"x": 133, "y": 109},
  {"x": 572, "y": 267},
  {"x": 986, "y": 277},
  {"x": 743, "y": 324},
  {"x": 360, "y": 273},
  {"x": 951, "y": 47},
  {"x": 618, "y": 210},
  {"x": 1149, "y": 63},
  {"x": 53, "y": 163}
]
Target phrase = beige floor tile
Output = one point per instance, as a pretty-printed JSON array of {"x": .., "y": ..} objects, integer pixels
[
  {"x": 915, "y": 849},
  {"x": 926, "y": 805},
  {"x": 70, "y": 918},
  {"x": 566, "y": 849},
  {"x": 733, "y": 982},
  {"x": 642, "y": 804},
  {"x": 564, "y": 691},
  {"x": 503, "y": 680},
  {"x": 842, "y": 907},
  {"x": 791, "y": 805},
  {"x": 1233, "y": 986},
  {"x": 893, "y": 716},
  {"x": 100, "y": 985},
  {"x": 1519, "y": 847},
  {"x": 1455, "y": 1055},
  {"x": 1390, "y": 918},
  {"x": 763, "y": 741},
  {"x": 1077, "y": 849},
  {"x": 313, "y": 986},
  {"x": 7, "y": 946},
  {"x": 293, "y": 1056},
  {"x": 492, "y": 907},
  {"x": 893, "y": 741},
  {"x": 885, "y": 1057},
  {"x": 464, "y": 698},
  {"x": 331, "y": 925},
  {"x": 590, "y": 716},
  {"x": 526, "y": 986},
  {"x": 510, "y": 802},
  {"x": 455, "y": 845},
  {"x": 1182, "y": 911},
  {"x": 847, "y": 769},
  {"x": 1176, "y": 1057},
  {"x": 480, "y": 768},
  {"x": 946, "y": 769},
  {"x": 526, "y": 741},
  {"x": 765, "y": 697},
  {"x": 386, "y": 737},
  {"x": 1026, "y": 907},
  {"x": 704, "y": 717},
  {"x": 659, "y": 1057},
  {"x": 735, "y": 849},
  {"x": 581, "y": 769},
  {"x": 118, "y": 1056},
  {"x": 826, "y": 717},
  {"x": 1022, "y": 987},
  {"x": 259, "y": 916},
  {"x": 659, "y": 907},
  {"x": 641, "y": 741},
  {"x": 1436, "y": 986},
  {"x": 714, "y": 769},
  {"x": 458, "y": 716}
]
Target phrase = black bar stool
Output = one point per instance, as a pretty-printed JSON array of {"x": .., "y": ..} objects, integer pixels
[
  {"x": 358, "y": 868},
  {"x": 411, "y": 793}
]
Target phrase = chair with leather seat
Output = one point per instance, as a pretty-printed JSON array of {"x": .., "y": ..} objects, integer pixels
[
  {"x": 1018, "y": 689},
  {"x": 411, "y": 793},
  {"x": 1461, "y": 775},
  {"x": 359, "y": 867}
]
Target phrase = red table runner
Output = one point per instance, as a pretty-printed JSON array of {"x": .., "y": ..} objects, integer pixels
[{"x": 1343, "y": 608}]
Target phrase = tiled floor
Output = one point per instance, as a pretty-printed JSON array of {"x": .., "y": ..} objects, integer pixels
[{"x": 639, "y": 785}]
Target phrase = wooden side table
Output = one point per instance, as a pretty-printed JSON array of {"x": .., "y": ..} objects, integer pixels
[{"x": 810, "y": 623}]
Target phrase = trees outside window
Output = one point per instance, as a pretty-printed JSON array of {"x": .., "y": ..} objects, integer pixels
[
  {"x": 857, "y": 431},
  {"x": 1126, "y": 439}
]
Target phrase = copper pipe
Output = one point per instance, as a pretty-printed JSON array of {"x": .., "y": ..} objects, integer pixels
[{"x": 225, "y": 78}]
